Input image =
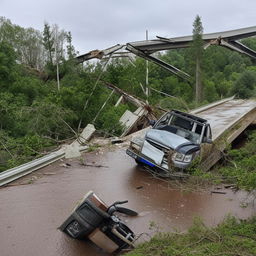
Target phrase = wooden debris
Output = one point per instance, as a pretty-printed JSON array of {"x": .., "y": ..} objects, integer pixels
[
  {"x": 94, "y": 165},
  {"x": 218, "y": 192}
]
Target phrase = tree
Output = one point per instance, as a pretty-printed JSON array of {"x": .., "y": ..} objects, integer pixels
[
  {"x": 48, "y": 42},
  {"x": 245, "y": 86},
  {"x": 70, "y": 48},
  {"x": 197, "y": 51},
  {"x": 7, "y": 65},
  {"x": 54, "y": 40},
  {"x": 27, "y": 43},
  {"x": 31, "y": 50}
]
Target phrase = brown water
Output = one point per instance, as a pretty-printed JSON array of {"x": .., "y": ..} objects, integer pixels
[{"x": 31, "y": 213}]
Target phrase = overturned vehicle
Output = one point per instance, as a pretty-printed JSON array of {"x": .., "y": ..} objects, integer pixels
[
  {"x": 93, "y": 220},
  {"x": 174, "y": 141}
]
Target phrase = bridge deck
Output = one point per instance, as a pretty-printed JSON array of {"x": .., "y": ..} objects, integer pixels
[{"x": 224, "y": 116}]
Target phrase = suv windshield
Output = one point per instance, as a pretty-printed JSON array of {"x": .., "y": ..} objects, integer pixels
[{"x": 182, "y": 126}]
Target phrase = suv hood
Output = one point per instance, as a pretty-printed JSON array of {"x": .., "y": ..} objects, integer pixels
[{"x": 168, "y": 139}]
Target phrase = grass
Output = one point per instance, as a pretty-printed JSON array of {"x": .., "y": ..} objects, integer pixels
[
  {"x": 93, "y": 147},
  {"x": 238, "y": 168},
  {"x": 241, "y": 165},
  {"x": 231, "y": 237}
]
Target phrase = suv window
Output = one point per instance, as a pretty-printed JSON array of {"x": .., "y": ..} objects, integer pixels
[
  {"x": 182, "y": 123},
  {"x": 199, "y": 129}
]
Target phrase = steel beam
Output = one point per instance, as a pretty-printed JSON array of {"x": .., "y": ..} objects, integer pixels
[
  {"x": 99, "y": 54},
  {"x": 159, "y": 62},
  {"x": 161, "y": 43},
  {"x": 244, "y": 49},
  {"x": 145, "y": 48}
]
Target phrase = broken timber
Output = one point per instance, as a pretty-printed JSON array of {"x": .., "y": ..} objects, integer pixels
[
  {"x": 134, "y": 100},
  {"x": 98, "y": 54},
  {"x": 133, "y": 121}
]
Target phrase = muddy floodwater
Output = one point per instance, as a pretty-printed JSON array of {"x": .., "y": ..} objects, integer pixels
[{"x": 32, "y": 208}]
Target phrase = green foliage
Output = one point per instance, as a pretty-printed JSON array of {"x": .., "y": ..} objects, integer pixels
[
  {"x": 7, "y": 64},
  {"x": 231, "y": 237},
  {"x": 245, "y": 86},
  {"x": 9, "y": 108},
  {"x": 210, "y": 92},
  {"x": 197, "y": 44},
  {"x": 17, "y": 151},
  {"x": 109, "y": 120},
  {"x": 70, "y": 48},
  {"x": 173, "y": 103},
  {"x": 241, "y": 167},
  {"x": 28, "y": 87},
  {"x": 27, "y": 43},
  {"x": 197, "y": 58},
  {"x": 48, "y": 42},
  {"x": 47, "y": 119}
]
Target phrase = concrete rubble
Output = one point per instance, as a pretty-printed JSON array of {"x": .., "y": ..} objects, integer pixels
[
  {"x": 134, "y": 121},
  {"x": 79, "y": 145}
]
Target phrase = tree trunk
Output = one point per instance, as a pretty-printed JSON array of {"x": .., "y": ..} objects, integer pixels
[{"x": 199, "y": 92}]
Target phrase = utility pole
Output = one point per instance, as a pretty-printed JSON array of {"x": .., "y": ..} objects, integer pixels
[
  {"x": 58, "y": 76},
  {"x": 147, "y": 89}
]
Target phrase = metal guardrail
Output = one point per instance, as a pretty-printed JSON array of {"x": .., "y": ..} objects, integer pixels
[
  {"x": 211, "y": 105},
  {"x": 22, "y": 170}
]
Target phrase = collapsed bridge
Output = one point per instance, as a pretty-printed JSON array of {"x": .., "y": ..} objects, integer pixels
[{"x": 147, "y": 48}]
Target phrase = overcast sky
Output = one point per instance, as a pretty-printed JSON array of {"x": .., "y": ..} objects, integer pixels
[{"x": 99, "y": 24}]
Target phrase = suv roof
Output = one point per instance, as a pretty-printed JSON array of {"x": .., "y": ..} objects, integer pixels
[{"x": 189, "y": 116}]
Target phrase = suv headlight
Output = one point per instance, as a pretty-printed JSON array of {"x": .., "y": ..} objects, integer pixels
[
  {"x": 181, "y": 157},
  {"x": 187, "y": 158},
  {"x": 178, "y": 157}
]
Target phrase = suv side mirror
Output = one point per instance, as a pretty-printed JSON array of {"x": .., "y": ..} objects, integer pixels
[{"x": 152, "y": 122}]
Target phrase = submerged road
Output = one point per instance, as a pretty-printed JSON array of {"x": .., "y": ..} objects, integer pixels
[{"x": 32, "y": 208}]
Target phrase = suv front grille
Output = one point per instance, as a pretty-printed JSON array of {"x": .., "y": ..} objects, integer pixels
[{"x": 167, "y": 151}]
